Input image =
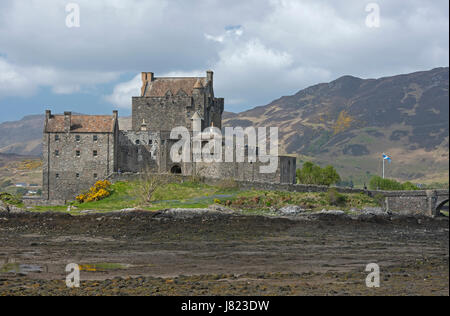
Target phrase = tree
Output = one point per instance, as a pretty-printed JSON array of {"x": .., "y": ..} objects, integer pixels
[
  {"x": 313, "y": 174},
  {"x": 330, "y": 176},
  {"x": 149, "y": 183}
]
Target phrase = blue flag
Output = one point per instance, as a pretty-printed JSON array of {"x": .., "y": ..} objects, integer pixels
[{"x": 386, "y": 157}]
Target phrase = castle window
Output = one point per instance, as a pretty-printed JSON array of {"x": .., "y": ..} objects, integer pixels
[
  {"x": 77, "y": 138},
  {"x": 150, "y": 142},
  {"x": 78, "y": 175},
  {"x": 78, "y": 153},
  {"x": 137, "y": 142},
  {"x": 95, "y": 138},
  {"x": 95, "y": 176},
  {"x": 95, "y": 153},
  {"x": 57, "y": 176},
  {"x": 56, "y": 137},
  {"x": 57, "y": 153}
]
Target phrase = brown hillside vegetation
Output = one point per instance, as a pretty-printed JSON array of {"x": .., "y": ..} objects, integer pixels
[{"x": 350, "y": 122}]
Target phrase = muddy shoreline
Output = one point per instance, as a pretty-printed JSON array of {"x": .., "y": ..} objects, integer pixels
[{"x": 213, "y": 253}]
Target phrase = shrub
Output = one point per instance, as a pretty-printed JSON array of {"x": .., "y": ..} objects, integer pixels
[
  {"x": 9, "y": 199},
  {"x": 336, "y": 198},
  {"x": 99, "y": 191},
  {"x": 408, "y": 186},
  {"x": 379, "y": 198},
  {"x": 378, "y": 183},
  {"x": 313, "y": 174}
]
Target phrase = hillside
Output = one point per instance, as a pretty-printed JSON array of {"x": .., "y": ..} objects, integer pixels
[
  {"x": 350, "y": 122},
  {"x": 22, "y": 137},
  {"x": 19, "y": 169}
]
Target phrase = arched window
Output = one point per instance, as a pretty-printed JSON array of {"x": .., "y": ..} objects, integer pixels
[{"x": 175, "y": 170}]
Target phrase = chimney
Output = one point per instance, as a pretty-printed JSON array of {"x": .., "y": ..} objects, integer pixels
[
  {"x": 67, "y": 121},
  {"x": 209, "y": 76},
  {"x": 48, "y": 115},
  {"x": 146, "y": 77},
  {"x": 115, "y": 114}
]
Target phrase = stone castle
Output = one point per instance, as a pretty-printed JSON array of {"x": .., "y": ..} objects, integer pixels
[{"x": 81, "y": 149}]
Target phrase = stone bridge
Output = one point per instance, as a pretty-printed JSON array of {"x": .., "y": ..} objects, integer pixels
[{"x": 429, "y": 202}]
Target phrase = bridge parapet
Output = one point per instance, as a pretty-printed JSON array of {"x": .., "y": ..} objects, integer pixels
[{"x": 425, "y": 202}]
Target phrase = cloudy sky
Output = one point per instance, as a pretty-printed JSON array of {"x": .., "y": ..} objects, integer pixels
[{"x": 258, "y": 49}]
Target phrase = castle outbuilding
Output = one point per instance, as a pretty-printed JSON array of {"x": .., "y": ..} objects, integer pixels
[{"x": 79, "y": 150}]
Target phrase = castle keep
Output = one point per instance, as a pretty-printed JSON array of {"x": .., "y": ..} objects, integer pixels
[{"x": 81, "y": 149}]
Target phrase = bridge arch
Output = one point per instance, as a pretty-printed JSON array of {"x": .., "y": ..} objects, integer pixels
[{"x": 440, "y": 206}]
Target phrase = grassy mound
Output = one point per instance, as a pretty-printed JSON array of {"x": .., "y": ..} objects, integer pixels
[{"x": 193, "y": 194}]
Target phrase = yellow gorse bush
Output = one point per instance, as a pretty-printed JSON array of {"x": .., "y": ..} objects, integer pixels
[{"x": 99, "y": 191}]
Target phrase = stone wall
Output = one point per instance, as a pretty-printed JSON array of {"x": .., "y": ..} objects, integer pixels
[
  {"x": 66, "y": 174},
  {"x": 39, "y": 201},
  {"x": 138, "y": 151},
  {"x": 249, "y": 171},
  {"x": 161, "y": 113},
  {"x": 413, "y": 202},
  {"x": 249, "y": 185}
]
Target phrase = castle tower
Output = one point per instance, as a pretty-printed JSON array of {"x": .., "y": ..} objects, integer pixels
[{"x": 168, "y": 102}]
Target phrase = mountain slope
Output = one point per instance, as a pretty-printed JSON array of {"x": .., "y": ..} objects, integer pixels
[
  {"x": 350, "y": 122},
  {"x": 22, "y": 137}
]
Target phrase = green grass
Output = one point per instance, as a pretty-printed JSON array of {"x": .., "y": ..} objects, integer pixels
[
  {"x": 9, "y": 267},
  {"x": 10, "y": 199},
  {"x": 200, "y": 195},
  {"x": 125, "y": 195}
]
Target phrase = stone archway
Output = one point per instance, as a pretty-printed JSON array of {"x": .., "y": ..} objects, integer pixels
[
  {"x": 441, "y": 207},
  {"x": 176, "y": 169}
]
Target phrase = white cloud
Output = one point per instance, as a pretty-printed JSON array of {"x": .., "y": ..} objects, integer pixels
[
  {"x": 12, "y": 82},
  {"x": 122, "y": 93},
  {"x": 18, "y": 80},
  {"x": 230, "y": 33},
  {"x": 259, "y": 49},
  {"x": 251, "y": 68}
]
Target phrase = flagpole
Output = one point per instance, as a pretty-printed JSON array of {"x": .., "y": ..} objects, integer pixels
[{"x": 383, "y": 164}]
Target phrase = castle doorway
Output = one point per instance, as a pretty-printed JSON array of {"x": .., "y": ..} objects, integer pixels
[{"x": 175, "y": 170}]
